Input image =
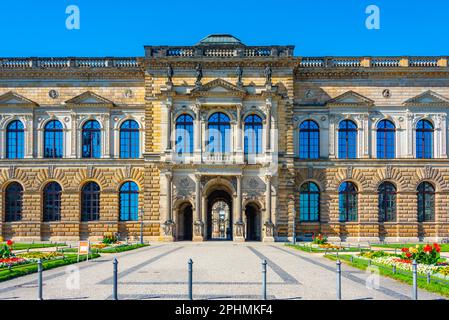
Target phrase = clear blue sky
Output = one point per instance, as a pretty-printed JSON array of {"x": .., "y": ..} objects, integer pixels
[{"x": 315, "y": 27}]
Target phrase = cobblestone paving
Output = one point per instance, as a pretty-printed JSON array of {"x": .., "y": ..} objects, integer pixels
[{"x": 222, "y": 270}]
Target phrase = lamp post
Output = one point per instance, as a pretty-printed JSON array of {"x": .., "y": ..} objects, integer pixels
[{"x": 141, "y": 225}]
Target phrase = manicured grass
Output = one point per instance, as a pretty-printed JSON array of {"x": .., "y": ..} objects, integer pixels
[
  {"x": 21, "y": 270},
  {"x": 117, "y": 249},
  {"x": 319, "y": 250},
  {"x": 444, "y": 247},
  {"x": 25, "y": 246},
  {"x": 402, "y": 276}
]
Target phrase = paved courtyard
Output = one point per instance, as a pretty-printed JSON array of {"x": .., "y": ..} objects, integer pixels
[{"x": 221, "y": 271}]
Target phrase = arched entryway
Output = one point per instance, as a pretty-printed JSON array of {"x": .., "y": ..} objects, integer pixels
[
  {"x": 185, "y": 223},
  {"x": 253, "y": 223},
  {"x": 219, "y": 216}
]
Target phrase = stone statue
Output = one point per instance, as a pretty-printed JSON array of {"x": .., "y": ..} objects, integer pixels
[
  {"x": 268, "y": 74},
  {"x": 170, "y": 73},
  {"x": 239, "y": 71},
  {"x": 199, "y": 74}
]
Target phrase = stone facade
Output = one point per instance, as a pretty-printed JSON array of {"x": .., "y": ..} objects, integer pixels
[{"x": 177, "y": 192}]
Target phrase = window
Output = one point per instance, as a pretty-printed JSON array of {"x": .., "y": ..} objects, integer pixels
[
  {"x": 219, "y": 133},
  {"x": 348, "y": 202},
  {"x": 129, "y": 140},
  {"x": 129, "y": 202},
  {"x": 253, "y": 135},
  {"x": 52, "y": 202},
  {"x": 184, "y": 134},
  {"x": 13, "y": 202},
  {"x": 386, "y": 143},
  {"x": 309, "y": 202},
  {"x": 90, "y": 202},
  {"x": 15, "y": 140},
  {"x": 53, "y": 140},
  {"x": 424, "y": 140},
  {"x": 426, "y": 202},
  {"x": 309, "y": 140},
  {"x": 387, "y": 202},
  {"x": 91, "y": 140},
  {"x": 347, "y": 140}
]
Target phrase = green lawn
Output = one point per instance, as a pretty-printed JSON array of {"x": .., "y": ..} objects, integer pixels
[
  {"x": 21, "y": 270},
  {"x": 118, "y": 249},
  {"x": 444, "y": 247},
  {"x": 25, "y": 246},
  {"x": 319, "y": 250},
  {"x": 403, "y": 276}
]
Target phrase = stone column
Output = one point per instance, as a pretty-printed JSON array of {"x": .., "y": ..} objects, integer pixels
[
  {"x": 410, "y": 132},
  {"x": 168, "y": 226},
  {"x": 198, "y": 228},
  {"x": 444, "y": 136},
  {"x": 197, "y": 133},
  {"x": 239, "y": 128},
  {"x": 239, "y": 224},
  {"x": 268, "y": 126},
  {"x": 268, "y": 225},
  {"x": 29, "y": 134},
  {"x": 169, "y": 117}
]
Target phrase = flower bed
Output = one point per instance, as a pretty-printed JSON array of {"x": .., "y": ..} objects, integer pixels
[
  {"x": 35, "y": 256},
  {"x": 9, "y": 262},
  {"x": 427, "y": 258}
]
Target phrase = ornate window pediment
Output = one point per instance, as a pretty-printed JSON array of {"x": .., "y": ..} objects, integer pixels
[
  {"x": 428, "y": 98},
  {"x": 15, "y": 99},
  {"x": 218, "y": 87},
  {"x": 89, "y": 98},
  {"x": 350, "y": 98}
]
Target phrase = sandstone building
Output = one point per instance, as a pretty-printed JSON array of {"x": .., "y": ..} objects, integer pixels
[{"x": 221, "y": 140}]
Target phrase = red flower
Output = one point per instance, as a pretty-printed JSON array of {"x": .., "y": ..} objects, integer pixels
[
  {"x": 428, "y": 248},
  {"x": 408, "y": 255},
  {"x": 9, "y": 243},
  {"x": 405, "y": 250},
  {"x": 437, "y": 247}
]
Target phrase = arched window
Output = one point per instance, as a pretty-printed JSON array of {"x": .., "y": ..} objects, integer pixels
[
  {"x": 426, "y": 202},
  {"x": 348, "y": 202},
  {"x": 347, "y": 140},
  {"x": 91, "y": 139},
  {"x": 309, "y": 202},
  {"x": 129, "y": 140},
  {"x": 219, "y": 128},
  {"x": 184, "y": 134},
  {"x": 13, "y": 202},
  {"x": 53, "y": 140},
  {"x": 424, "y": 140},
  {"x": 15, "y": 140},
  {"x": 90, "y": 202},
  {"x": 52, "y": 202},
  {"x": 129, "y": 202},
  {"x": 309, "y": 140},
  {"x": 386, "y": 144},
  {"x": 387, "y": 202},
  {"x": 253, "y": 135}
]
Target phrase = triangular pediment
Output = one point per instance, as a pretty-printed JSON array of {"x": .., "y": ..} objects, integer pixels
[
  {"x": 14, "y": 99},
  {"x": 428, "y": 98},
  {"x": 219, "y": 86},
  {"x": 89, "y": 98},
  {"x": 350, "y": 98}
]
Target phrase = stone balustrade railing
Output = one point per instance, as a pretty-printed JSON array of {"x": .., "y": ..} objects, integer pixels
[
  {"x": 374, "y": 62},
  {"x": 219, "y": 51},
  {"x": 63, "y": 63}
]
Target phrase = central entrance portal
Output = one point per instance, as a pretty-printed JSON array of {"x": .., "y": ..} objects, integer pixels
[{"x": 219, "y": 216}]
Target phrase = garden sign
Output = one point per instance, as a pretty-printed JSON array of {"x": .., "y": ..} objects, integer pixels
[{"x": 83, "y": 248}]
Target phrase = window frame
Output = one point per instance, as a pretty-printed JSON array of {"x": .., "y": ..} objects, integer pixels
[
  {"x": 182, "y": 123},
  {"x": 130, "y": 135},
  {"x": 312, "y": 143},
  {"x": 16, "y": 205},
  {"x": 423, "y": 195},
  {"x": 383, "y": 134},
  {"x": 309, "y": 193},
  {"x": 90, "y": 202},
  {"x": 344, "y": 134},
  {"x": 88, "y": 141},
  {"x": 350, "y": 202},
  {"x": 132, "y": 195},
  {"x": 255, "y": 128},
  {"x": 18, "y": 138},
  {"x": 386, "y": 214},
  {"x": 52, "y": 198}
]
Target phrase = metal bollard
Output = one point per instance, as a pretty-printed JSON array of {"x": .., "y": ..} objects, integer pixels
[
  {"x": 39, "y": 279},
  {"x": 338, "y": 280},
  {"x": 190, "y": 263},
  {"x": 352, "y": 259},
  {"x": 395, "y": 250},
  {"x": 394, "y": 269},
  {"x": 264, "y": 280},
  {"x": 370, "y": 262},
  {"x": 415, "y": 280},
  {"x": 114, "y": 280},
  {"x": 428, "y": 278}
]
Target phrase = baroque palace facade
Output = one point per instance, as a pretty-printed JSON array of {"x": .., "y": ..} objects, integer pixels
[{"x": 224, "y": 141}]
